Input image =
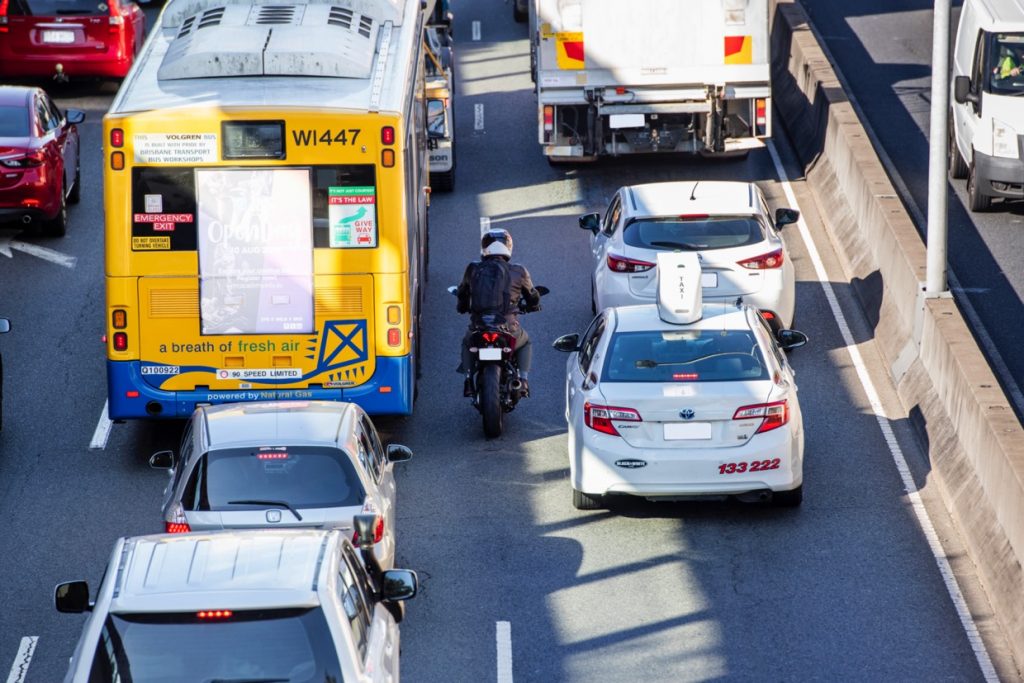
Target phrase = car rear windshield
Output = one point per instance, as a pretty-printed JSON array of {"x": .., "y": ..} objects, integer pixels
[
  {"x": 685, "y": 356},
  {"x": 56, "y": 8},
  {"x": 14, "y": 122},
  {"x": 260, "y": 645},
  {"x": 303, "y": 477},
  {"x": 694, "y": 234}
]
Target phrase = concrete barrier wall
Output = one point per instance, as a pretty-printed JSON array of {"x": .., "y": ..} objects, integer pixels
[{"x": 973, "y": 440}]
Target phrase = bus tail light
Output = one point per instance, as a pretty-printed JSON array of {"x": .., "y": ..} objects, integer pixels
[
  {"x": 387, "y": 135},
  {"x": 116, "y": 137},
  {"x": 387, "y": 158},
  {"x": 117, "y": 161},
  {"x": 119, "y": 319},
  {"x": 394, "y": 336},
  {"x": 394, "y": 315},
  {"x": 120, "y": 341}
]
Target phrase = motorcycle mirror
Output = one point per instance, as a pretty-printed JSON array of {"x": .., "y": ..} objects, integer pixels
[
  {"x": 452, "y": 290},
  {"x": 542, "y": 290}
]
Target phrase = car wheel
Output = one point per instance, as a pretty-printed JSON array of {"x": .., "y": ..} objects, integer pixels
[
  {"x": 585, "y": 501},
  {"x": 788, "y": 499},
  {"x": 76, "y": 189},
  {"x": 957, "y": 166},
  {"x": 58, "y": 225},
  {"x": 975, "y": 199}
]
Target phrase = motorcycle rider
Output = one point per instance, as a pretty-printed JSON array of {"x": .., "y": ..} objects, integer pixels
[{"x": 496, "y": 246}]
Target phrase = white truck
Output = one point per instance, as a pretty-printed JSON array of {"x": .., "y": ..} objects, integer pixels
[{"x": 644, "y": 76}]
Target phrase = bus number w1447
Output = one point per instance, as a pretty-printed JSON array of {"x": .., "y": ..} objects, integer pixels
[{"x": 313, "y": 137}]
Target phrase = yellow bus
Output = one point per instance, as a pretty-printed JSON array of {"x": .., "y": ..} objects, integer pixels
[{"x": 265, "y": 189}]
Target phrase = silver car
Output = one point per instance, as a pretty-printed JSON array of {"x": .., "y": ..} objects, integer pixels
[{"x": 282, "y": 464}]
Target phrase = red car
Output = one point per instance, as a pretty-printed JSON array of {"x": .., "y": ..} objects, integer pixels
[
  {"x": 69, "y": 38},
  {"x": 39, "y": 158}
]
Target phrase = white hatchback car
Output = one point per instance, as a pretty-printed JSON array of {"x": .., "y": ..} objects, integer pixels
[
  {"x": 297, "y": 605},
  {"x": 729, "y": 226},
  {"x": 282, "y": 464},
  {"x": 682, "y": 399}
]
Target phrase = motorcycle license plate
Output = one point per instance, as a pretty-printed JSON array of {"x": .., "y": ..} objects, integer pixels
[{"x": 490, "y": 354}]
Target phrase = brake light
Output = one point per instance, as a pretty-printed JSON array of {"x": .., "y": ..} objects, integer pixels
[
  {"x": 277, "y": 455},
  {"x": 177, "y": 523},
  {"x": 600, "y": 418},
  {"x": 116, "y": 137},
  {"x": 767, "y": 261},
  {"x": 120, "y": 341},
  {"x": 490, "y": 337},
  {"x": 387, "y": 135},
  {"x": 620, "y": 264},
  {"x": 3, "y": 16},
  {"x": 32, "y": 158},
  {"x": 549, "y": 118},
  {"x": 176, "y": 528},
  {"x": 774, "y": 415},
  {"x": 215, "y": 614},
  {"x": 378, "y": 532},
  {"x": 685, "y": 376},
  {"x": 694, "y": 216},
  {"x": 394, "y": 336}
]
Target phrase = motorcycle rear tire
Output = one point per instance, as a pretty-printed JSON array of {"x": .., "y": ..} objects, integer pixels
[{"x": 490, "y": 400}]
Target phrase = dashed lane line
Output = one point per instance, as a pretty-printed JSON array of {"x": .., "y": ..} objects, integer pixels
[
  {"x": 102, "y": 432},
  {"x": 478, "y": 117},
  {"x": 503, "y": 640},
  {"x": 476, "y": 30},
  {"x": 19, "y": 669}
]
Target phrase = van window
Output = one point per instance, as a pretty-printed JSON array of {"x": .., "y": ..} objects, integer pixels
[{"x": 1004, "y": 64}]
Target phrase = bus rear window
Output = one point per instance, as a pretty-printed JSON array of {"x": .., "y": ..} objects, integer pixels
[{"x": 689, "y": 356}]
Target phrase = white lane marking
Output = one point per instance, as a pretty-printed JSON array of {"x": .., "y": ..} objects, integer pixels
[
  {"x": 19, "y": 669},
  {"x": 102, "y": 432},
  {"x": 977, "y": 328},
  {"x": 966, "y": 621},
  {"x": 7, "y": 243},
  {"x": 503, "y": 638},
  {"x": 478, "y": 117},
  {"x": 485, "y": 225},
  {"x": 476, "y": 30}
]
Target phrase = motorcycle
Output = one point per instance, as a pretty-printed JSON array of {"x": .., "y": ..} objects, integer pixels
[{"x": 494, "y": 376}]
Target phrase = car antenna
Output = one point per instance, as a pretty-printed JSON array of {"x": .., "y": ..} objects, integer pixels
[{"x": 694, "y": 192}]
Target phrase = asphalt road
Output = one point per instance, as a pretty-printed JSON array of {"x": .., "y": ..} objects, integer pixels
[
  {"x": 844, "y": 588},
  {"x": 883, "y": 49}
]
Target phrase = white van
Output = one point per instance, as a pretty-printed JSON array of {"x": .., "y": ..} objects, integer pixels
[{"x": 987, "y": 127}]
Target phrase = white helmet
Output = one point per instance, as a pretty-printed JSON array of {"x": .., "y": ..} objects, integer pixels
[{"x": 496, "y": 242}]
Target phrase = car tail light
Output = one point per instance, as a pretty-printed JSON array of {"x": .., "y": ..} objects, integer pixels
[
  {"x": 3, "y": 16},
  {"x": 773, "y": 415},
  {"x": 177, "y": 524},
  {"x": 32, "y": 158},
  {"x": 620, "y": 264},
  {"x": 769, "y": 261},
  {"x": 175, "y": 528},
  {"x": 215, "y": 614},
  {"x": 378, "y": 532},
  {"x": 600, "y": 418}
]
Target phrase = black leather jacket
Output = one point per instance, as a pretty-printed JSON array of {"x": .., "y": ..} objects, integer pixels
[{"x": 520, "y": 287}]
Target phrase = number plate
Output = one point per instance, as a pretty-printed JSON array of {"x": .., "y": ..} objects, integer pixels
[
  {"x": 490, "y": 354},
  {"x": 709, "y": 280},
  {"x": 677, "y": 431},
  {"x": 62, "y": 37}
]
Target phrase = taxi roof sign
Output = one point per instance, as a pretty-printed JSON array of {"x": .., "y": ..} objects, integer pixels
[{"x": 680, "y": 298}]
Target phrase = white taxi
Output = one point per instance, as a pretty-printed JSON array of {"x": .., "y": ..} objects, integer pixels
[
  {"x": 683, "y": 399},
  {"x": 727, "y": 224}
]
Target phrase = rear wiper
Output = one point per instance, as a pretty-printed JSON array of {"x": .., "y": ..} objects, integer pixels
[
  {"x": 276, "y": 503},
  {"x": 679, "y": 245}
]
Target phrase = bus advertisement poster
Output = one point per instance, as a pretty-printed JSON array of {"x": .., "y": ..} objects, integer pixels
[
  {"x": 352, "y": 213},
  {"x": 255, "y": 251}
]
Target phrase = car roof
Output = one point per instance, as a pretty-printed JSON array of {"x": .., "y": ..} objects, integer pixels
[
  {"x": 691, "y": 197},
  {"x": 276, "y": 422},
  {"x": 646, "y": 317},
  {"x": 15, "y": 94},
  {"x": 236, "y": 570}
]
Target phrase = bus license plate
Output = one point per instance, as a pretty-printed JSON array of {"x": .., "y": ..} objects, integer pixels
[
  {"x": 62, "y": 37},
  {"x": 490, "y": 354}
]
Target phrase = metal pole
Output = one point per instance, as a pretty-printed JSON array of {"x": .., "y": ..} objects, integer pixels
[{"x": 938, "y": 222}]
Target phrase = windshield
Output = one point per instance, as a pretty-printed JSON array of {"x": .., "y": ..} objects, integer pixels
[
  {"x": 1006, "y": 64},
  {"x": 292, "y": 645},
  {"x": 686, "y": 356},
  {"x": 692, "y": 234},
  {"x": 14, "y": 122},
  {"x": 303, "y": 477}
]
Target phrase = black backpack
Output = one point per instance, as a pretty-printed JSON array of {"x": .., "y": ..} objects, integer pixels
[{"x": 490, "y": 290}]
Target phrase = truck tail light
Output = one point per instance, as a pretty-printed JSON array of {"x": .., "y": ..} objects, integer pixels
[
  {"x": 621, "y": 264},
  {"x": 769, "y": 261},
  {"x": 549, "y": 122},
  {"x": 760, "y": 117},
  {"x": 600, "y": 418},
  {"x": 774, "y": 415}
]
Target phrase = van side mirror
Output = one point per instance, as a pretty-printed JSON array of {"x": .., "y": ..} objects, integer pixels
[
  {"x": 567, "y": 343},
  {"x": 399, "y": 453},
  {"x": 962, "y": 90},
  {"x": 791, "y": 339},
  {"x": 162, "y": 460},
  {"x": 591, "y": 222},
  {"x": 72, "y": 597},
  {"x": 786, "y": 216}
]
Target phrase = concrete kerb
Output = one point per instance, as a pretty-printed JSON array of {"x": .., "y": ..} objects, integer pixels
[{"x": 973, "y": 439}]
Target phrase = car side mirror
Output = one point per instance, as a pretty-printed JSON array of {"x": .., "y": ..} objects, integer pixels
[
  {"x": 74, "y": 115},
  {"x": 567, "y": 343},
  {"x": 162, "y": 460},
  {"x": 399, "y": 584},
  {"x": 962, "y": 90},
  {"x": 72, "y": 597},
  {"x": 786, "y": 217},
  {"x": 399, "y": 453},
  {"x": 591, "y": 222},
  {"x": 5, "y": 325},
  {"x": 791, "y": 339}
]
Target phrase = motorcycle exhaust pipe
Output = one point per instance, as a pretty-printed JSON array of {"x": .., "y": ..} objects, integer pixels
[
  {"x": 26, "y": 219},
  {"x": 515, "y": 385}
]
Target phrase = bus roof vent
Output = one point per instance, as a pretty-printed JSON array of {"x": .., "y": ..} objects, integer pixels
[
  {"x": 210, "y": 17},
  {"x": 680, "y": 296},
  {"x": 177, "y": 12},
  {"x": 275, "y": 14},
  {"x": 340, "y": 16}
]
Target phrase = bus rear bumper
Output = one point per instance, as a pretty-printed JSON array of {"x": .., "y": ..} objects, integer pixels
[{"x": 388, "y": 392}]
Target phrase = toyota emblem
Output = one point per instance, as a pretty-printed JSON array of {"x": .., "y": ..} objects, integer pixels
[
  {"x": 686, "y": 413},
  {"x": 273, "y": 516}
]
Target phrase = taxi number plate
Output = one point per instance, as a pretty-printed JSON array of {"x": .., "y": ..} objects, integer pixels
[
  {"x": 709, "y": 280},
  {"x": 490, "y": 354},
  {"x": 677, "y": 431},
  {"x": 62, "y": 37}
]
